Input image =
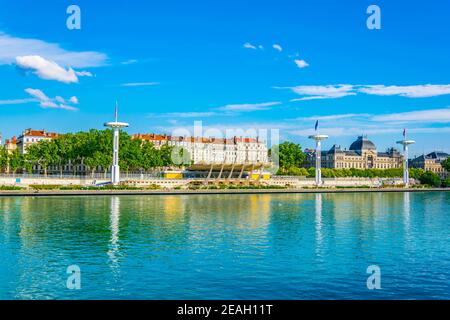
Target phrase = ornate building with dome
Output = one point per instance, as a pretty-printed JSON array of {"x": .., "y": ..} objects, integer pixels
[{"x": 362, "y": 154}]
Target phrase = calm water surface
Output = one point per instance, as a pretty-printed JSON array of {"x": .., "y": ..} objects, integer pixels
[{"x": 286, "y": 246}]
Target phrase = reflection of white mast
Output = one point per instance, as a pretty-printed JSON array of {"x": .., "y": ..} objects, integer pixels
[
  {"x": 406, "y": 209},
  {"x": 114, "y": 226},
  {"x": 408, "y": 241},
  {"x": 319, "y": 236}
]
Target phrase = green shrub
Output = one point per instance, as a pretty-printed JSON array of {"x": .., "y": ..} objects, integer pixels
[
  {"x": 45, "y": 186},
  {"x": 430, "y": 179},
  {"x": 10, "y": 188},
  {"x": 446, "y": 183}
]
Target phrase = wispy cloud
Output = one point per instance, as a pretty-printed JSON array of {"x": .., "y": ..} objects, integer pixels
[
  {"x": 433, "y": 115},
  {"x": 277, "y": 47},
  {"x": 12, "y": 47},
  {"x": 46, "y": 102},
  {"x": 17, "y": 101},
  {"x": 130, "y": 61},
  {"x": 140, "y": 84},
  {"x": 322, "y": 92},
  {"x": 351, "y": 124},
  {"x": 343, "y": 90},
  {"x": 84, "y": 73},
  {"x": 301, "y": 63},
  {"x": 248, "y": 45},
  {"x": 333, "y": 117},
  {"x": 183, "y": 115},
  {"x": 354, "y": 131},
  {"x": 246, "y": 107},
  {"x": 417, "y": 91}
]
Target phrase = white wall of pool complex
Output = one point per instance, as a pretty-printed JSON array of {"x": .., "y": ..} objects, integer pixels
[{"x": 293, "y": 182}]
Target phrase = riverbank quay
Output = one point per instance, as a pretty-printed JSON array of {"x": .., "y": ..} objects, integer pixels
[
  {"x": 31, "y": 181},
  {"x": 39, "y": 193}
]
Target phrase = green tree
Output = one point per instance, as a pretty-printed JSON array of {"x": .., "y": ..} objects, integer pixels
[
  {"x": 165, "y": 156},
  {"x": 16, "y": 160},
  {"x": 430, "y": 178},
  {"x": 43, "y": 153},
  {"x": 290, "y": 155},
  {"x": 4, "y": 159},
  {"x": 446, "y": 164},
  {"x": 446, "y": 183}
]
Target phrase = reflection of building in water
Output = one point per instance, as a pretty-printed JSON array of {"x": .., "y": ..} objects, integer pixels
[
  {"x": 259, "y": 209},
  {"x": 173, "y": 207}
]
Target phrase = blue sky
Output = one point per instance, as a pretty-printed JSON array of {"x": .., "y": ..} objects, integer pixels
[{"x": 258, "y": 64}]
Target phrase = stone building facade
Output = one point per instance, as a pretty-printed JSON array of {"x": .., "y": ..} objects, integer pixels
[
  {"x": 362, "y": 154},
  {"x": 431, "y": 162}
]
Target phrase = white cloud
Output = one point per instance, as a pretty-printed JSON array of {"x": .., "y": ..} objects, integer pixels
[
  {"x": 46, "y": 102},
  {"x": 433, "y": 115},
  {"x": 74, "y": 100},
  {"x": 140, "y": 84},
  {"x": 277, "y": 47},
  {"x": 38, "y": 94},
  {"x": 333, "y": 117},
  {"x": 343, "y": 90},
  {"x": 60, "y": 99},
  {"x": 130, "y": 61},
  {"x": 12, "y": 47},
  {"x": 248, "y": 45},
  {"x": 183, "y": 115},
  {"x": 47, "y": 70},
  {"x": 16, "y": 101},
  {"x": 84, "y": 74},
  {"x": 246, "y": 107},
  {"x": 323, "y": 92},
  {"x": 416, "y": 91},
  {"x": 301, "y": 63},
  {"x": 354, "y": 131},
  {"x": 67, "y": 107}
]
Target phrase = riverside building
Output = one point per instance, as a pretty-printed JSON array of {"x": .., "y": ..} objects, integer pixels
[
  {"x": 30, "y": 136},
  {"x": 431, "y": 162},
  {"x": 214, "y": 150},
  {"x": 362, "y": 154}
]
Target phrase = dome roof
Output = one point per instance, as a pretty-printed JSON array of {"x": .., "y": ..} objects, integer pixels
[{"x": 362, "y": 143}]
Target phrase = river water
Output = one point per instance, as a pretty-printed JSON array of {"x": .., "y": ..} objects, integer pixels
[{"x": 264, "y": 246}]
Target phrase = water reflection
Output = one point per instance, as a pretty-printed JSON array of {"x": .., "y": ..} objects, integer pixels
[
  {"x": 406, "y": 220},
  {"x": 318, "y": 222},
  {"x": 291, "y": 246},
  {"x": 114, "y": 246}
]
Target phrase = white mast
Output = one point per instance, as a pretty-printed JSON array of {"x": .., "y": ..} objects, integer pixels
[{"x": 116, "y": 126}]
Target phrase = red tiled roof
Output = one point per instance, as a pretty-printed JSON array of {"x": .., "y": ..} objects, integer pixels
[{"x": 40, "y": 133}]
